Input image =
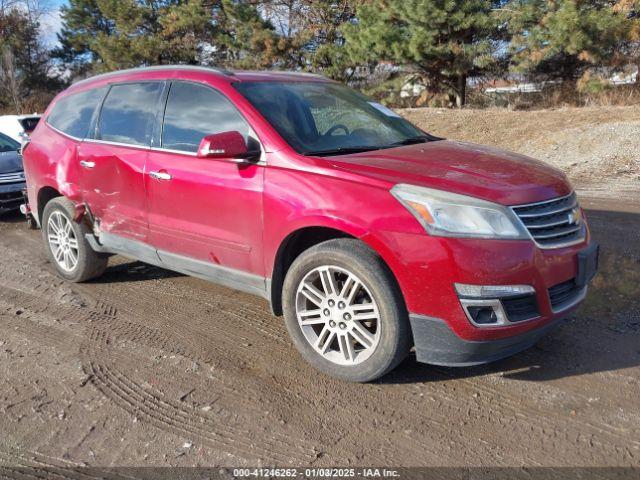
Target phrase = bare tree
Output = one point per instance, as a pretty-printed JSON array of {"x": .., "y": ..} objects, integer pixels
[{"x": 10, "y": 79}]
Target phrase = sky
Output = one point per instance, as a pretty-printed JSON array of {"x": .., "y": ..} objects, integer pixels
[{"x": 51, "y": 22}]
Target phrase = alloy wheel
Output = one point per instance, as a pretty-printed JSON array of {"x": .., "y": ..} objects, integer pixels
[
  {"x": 62, "y": 241},
  {"x": 338, "y": 315}
]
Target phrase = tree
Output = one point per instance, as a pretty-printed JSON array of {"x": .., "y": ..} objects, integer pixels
[
  {"x": 442, "y": 41},
  {"x": 102, "y": 35},
  {"x": 242, "y": 38},
  {"x": 630, "y": 9},
  {"x": 562, "y": 39},
  {"x": 10, "y": 79},
  {"x": 24, "y": 60},
  {"x": 311, "y": 34},
  {"x": 105, "y": 35}
]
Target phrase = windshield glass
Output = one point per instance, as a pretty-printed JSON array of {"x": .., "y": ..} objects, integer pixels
[
  {"x": 8, "y": 144},
  {"x": 328, "y": 118}
]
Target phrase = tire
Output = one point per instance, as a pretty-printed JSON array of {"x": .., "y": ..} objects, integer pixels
[
  {"x": 89, "y": 264},
  {"x": 342, "y": 350}
]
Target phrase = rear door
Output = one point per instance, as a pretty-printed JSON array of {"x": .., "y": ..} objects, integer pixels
[
  {"x": 113, "y": 161},
  {"x": 204, "y": 209}
]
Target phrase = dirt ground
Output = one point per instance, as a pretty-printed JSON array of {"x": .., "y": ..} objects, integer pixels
[{"x": 145, "y": 367}]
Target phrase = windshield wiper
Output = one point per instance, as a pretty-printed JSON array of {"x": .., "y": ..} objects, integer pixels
[
  {"x": 413, "y": 140},
  {"x": 342, "y": 150}
]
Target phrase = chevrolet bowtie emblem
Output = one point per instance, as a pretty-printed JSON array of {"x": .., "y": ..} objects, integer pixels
[{"x": 575, "y": 216}]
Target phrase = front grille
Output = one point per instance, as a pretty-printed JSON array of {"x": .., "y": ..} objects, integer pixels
[
  {"x": 14, "y": 177},
  {"x": 553, "y": 223},
  {"x": 519, "y": 309},
  {"x": 565, "y": 294}
]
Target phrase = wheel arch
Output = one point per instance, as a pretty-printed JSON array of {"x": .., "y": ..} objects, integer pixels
[
  {"x": 304, "y": 238},
  {"x": 45, "y": 195}
]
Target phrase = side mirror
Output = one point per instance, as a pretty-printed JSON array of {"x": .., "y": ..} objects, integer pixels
[{"x": 225, "y": 145}]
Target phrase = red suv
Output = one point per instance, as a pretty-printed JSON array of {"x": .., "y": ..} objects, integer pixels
[{"x": 368, "y": 234}]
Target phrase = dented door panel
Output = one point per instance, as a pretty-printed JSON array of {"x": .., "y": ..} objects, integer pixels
[{"x": 112, "y": 182}]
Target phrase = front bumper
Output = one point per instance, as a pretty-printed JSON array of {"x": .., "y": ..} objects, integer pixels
[
  {"x": 11, "y": 196},
  {"x": 436, "y": 343}
]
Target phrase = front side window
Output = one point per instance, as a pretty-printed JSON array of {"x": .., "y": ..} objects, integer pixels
[
  {"x": 72, "y": 114},
  {"x": 128, "y": 113},
  {"x": 195, "y": 111},
  {"x": 328, "y": 118}
]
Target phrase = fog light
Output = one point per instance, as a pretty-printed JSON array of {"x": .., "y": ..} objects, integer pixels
[{"x": 484, "y": 313}]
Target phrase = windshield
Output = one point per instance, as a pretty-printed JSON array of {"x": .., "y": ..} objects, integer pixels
[
  {"x": 318, "y": 118},
  {"x": 8, "y": 144}
]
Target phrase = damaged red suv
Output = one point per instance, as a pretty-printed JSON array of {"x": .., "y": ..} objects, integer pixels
[{"x": 369, "y": 235}]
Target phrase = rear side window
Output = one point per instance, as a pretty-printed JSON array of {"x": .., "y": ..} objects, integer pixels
[
  {"x": 72, "y": 114},
  {"x": 195, "y": 111},
  {"x": 128, "y": 113}
]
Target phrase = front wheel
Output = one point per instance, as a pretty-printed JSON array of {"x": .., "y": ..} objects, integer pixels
[{"x": 344, "y": 311}]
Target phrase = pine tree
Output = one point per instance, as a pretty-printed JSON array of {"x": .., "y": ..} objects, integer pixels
[
  {"x": 562, "y": 39},
  {"x": 103, "y": 35},
  {"x": 442, "y": 41}
]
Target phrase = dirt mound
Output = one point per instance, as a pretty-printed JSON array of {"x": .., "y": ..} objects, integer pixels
[{"x": 587, "y": 152}]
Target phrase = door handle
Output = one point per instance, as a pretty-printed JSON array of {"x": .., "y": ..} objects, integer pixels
[
  {"x": 160, "y": 175},
  {"x": 87, "y": 164}
]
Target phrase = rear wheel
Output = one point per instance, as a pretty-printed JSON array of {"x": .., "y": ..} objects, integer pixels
[
  {"x": 67, "y": 248},
  {"x": 344, "y": 311}
]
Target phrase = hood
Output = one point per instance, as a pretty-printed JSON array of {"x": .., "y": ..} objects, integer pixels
[
  {"x": 10, "y": 162},
  {"x": 465, "y": 168}
]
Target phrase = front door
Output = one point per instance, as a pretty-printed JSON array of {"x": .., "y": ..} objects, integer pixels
[{"x": 204, "y": 210}]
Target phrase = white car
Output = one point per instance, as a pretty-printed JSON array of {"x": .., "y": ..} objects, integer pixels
[{"x": 18, "y": 127}]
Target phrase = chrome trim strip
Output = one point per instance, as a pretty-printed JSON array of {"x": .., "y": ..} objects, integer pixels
[
  {"x": 501, "y": 314},
  {"x": 262, "y": 162},
  {"x": 117, "y": 144},
  {"x": 557, "y": 199},
  {"x": 547, "y": 225},
  {"x": 46, "y": 122},
  {"x": 549, "y": 212},
  {"x": 560, "y": 245},
  {"x": 547, "y": 236}
]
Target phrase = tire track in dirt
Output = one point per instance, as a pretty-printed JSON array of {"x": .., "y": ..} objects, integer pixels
[
  {"x": 18, "y": 464},
  {"x": 103, "y": 329},
  {"x": 525, "y": 412},
  {"x": 279, "y": 446},
  {"x": 149, "y": 406},
  {"x": 102, "y": 364}
]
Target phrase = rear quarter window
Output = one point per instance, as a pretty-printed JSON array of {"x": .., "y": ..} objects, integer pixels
[{"x": 72, "y": 114}]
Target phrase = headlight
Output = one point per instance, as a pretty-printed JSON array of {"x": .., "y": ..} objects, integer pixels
[{"x": 450, "y": 215}]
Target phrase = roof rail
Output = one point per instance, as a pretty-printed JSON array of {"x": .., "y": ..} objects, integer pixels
[{"x": 221, "y": 71}]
